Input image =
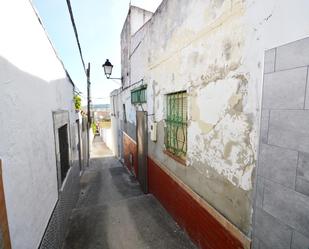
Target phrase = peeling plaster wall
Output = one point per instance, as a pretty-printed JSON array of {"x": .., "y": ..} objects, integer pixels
[
  {"x": 33, "y": 83},
  {"x": 214, "y": 50}
]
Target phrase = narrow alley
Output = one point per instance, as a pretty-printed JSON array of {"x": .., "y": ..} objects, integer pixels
[
  {"x": 113, "y": 213},
  {"x": 158, "y": 124}
]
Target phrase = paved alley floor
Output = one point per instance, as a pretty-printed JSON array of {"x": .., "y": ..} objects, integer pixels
[{"x": 113, "y": 213}]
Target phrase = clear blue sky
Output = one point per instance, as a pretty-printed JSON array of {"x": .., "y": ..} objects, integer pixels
[{"x": 99, "y": 23}]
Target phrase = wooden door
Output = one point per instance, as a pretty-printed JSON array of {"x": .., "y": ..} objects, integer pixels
[
  {"x": 5, "y": 242},
  {"x": 142, "y": 149}
]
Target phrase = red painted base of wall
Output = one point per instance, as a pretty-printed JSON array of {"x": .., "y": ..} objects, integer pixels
[
  {"x": 206, "y": 231},
  {"x": 130, "y": 148}
]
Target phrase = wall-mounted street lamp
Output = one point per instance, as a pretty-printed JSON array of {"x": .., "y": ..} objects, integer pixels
[{"x": 108, "y": 68}]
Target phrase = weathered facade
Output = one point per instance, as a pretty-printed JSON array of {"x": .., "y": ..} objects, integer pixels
[
  {"x": 213, "y": 52},
  {"x": 39, "y": 131}
]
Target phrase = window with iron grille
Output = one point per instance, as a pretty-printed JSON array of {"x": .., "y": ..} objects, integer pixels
[
  {"x": 139, "y": 95},
  {"x": 176, "y": 124}
]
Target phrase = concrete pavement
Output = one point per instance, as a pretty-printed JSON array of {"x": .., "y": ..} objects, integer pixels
[{"x": 113, "y": 213}]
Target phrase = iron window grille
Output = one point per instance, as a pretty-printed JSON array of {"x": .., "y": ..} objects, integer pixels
[
  {"x": 176, "y": 124},
  {"x": 139, "y": 95}
]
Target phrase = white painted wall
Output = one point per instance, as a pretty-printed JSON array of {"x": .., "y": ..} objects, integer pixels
[
  {"x": 106, "y": 134},
  {"x": 139, "y": 18},
  {"x": 279, "y": 22},
  {"x": 33, "y": 83}
]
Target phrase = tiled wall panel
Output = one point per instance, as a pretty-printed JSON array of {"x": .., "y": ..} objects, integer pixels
[{"x": 281, "y": 212}]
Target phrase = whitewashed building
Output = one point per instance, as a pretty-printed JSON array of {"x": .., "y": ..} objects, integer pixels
[
  {"x": 212, "y": 115},
  {"x": 39, "y": 131}
]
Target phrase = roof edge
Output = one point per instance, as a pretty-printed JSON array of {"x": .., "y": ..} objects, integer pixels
[{"x": 48, "y": 38}]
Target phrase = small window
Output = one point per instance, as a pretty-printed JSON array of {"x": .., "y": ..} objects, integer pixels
[
  {"x": 139, "y": 95},
  {"x": 176, "y": 125},
  {"x": 64, "y": 151},
  {"x": 124, "y": 113}
]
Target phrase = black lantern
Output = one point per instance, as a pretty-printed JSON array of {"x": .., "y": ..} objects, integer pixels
[{"x": 108, "y": 68}]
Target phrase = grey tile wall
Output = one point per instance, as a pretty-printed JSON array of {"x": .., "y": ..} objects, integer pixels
[
  {"x": 289, "y": 129},
  {"x": 269, "y": 61},
  {"x": 271, "y": 232},
  {"x": 278, "y": 164},
  {"x": 299, "y": 241},
  {"x": 307, "y": 92},
  {"x": 281, "y": 210},
  {"x": 292, "y": 85},
  {"x": 264, "y": 126},
  {"x": 294, "y": 54}
]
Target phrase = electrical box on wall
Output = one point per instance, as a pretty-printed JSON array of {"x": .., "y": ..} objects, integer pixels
[{"x": 153, "y": 132}]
